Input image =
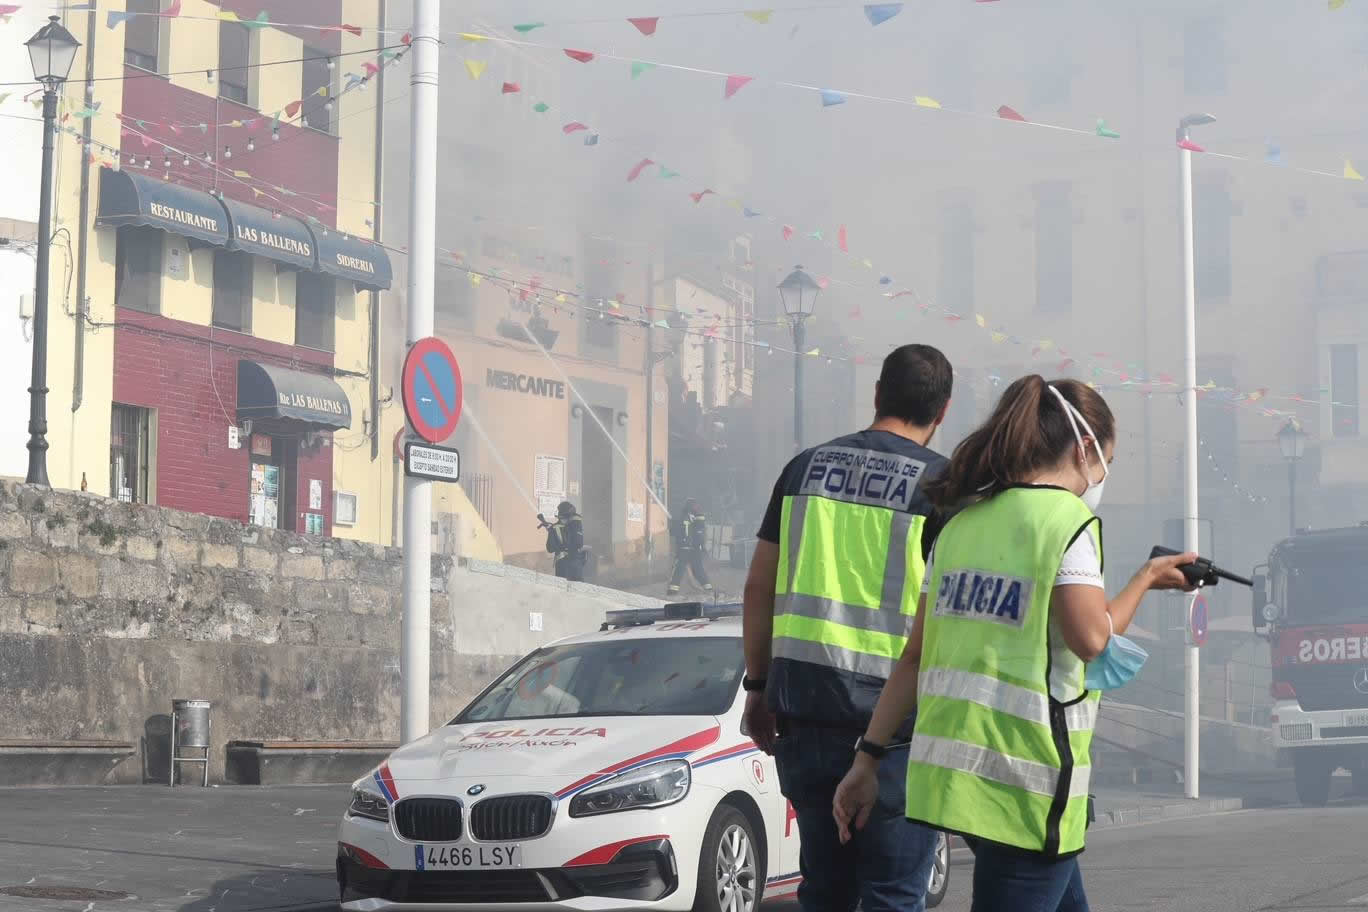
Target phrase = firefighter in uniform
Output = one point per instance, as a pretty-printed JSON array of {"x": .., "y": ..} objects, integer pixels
[
  {"x": 1014, "y": 608},
  {"x": 829, "y": 603},
  {"x": 690, "y": 535}
]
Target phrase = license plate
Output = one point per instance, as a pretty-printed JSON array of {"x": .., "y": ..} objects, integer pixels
[
  {"x": 466, "y": 857},
  {"x": 1356, "y": 719}
]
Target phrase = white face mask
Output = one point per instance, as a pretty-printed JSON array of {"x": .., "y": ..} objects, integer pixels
[{"x": 1092, "y": 494}]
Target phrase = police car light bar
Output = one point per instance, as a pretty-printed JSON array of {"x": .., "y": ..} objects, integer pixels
[{"x": 672, "y": 611}]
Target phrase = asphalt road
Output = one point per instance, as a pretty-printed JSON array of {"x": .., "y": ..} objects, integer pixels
[{"x": 271, "y": 850}]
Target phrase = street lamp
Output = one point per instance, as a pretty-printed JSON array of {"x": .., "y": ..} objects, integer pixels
[
  {"x": 52, "y": 51},
  {"x": 1292, "y": 442},
  {"x": 1191, "y": 719},
  {"x": 798, "y": 292}
]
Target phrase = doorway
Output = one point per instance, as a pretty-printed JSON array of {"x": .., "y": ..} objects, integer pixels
[
  {"x": 271, "y": 482},
  {"x": 596, "y": 484}
]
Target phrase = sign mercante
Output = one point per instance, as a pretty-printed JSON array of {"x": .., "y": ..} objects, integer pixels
[{"x": 525, "y": 383}]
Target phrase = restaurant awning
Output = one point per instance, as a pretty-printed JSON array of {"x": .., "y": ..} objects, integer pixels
[
  {"x": 352, "y": 259},
  {"x": 259, "y": 232},
  {"x": 127, "y": 198},
  {"x": 313, "y": 400}
]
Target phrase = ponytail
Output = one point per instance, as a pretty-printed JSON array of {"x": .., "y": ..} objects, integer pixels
[{"x": 1027, "y": 432}]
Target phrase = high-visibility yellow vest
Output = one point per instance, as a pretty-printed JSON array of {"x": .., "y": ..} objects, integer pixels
[
  {"x": 1004, "y": 724},
  {"x": 849, "y": 578}
]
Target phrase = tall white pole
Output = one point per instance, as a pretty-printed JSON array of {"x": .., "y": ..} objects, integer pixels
[
  {"x": 1191, "y": 720},
  {"x": 415, "y": 644}
]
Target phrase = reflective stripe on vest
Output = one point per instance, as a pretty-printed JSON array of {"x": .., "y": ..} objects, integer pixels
[
  {"x": 1004, "y": 726},
  {"x": 989, "y": 764},
  {"x": 1027, "y": 705},
  {"x": 819, "y": 626}
]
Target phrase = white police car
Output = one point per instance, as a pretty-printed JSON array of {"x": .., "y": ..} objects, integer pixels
[{"x": 605, "y": 771}]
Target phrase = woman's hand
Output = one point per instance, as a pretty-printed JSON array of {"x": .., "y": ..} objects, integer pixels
[
  {"x": 1163, "y": 572},
  {"x": 855, "y": 796}
]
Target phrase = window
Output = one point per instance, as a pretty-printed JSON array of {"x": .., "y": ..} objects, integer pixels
[
  {"x": 233, "y": 290},
  {"x": 130, "y": 453},
  {"x": 1344, "y": 390},
  {"x": 315, "y": 311},
  {"x": 344, "y": 508},
  {"x": 956, "y": 286},
  {"x": 655, "y": 677},
  {"x": 1054, "y": 247},
  {"x": 138, "y": 268},
  {"x": 1211, "y": 212},
  {"x": 454, "y": 297},
  {"x": 1050, "y": 81},
  {"x": 600, "y": 328},
  {"x": 317, "y": 109},
  {"x": 142, "y": 34},
  {"x": 1204, "y": 57},
  {"x": 235, "y": 43}
]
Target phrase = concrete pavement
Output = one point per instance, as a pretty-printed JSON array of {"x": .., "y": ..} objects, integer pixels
[{"x": 254, "y": 849}]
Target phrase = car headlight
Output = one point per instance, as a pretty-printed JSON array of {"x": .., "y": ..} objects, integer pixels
[
  {"x": 651, "y": 786},
  {"x": 368, "y": 804}
]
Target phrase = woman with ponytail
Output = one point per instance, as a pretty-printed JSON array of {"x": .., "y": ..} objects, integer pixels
[{"x": 996, "y": 666}]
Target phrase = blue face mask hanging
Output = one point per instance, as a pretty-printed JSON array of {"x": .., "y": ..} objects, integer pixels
[{"x": 1120, "y": 661}]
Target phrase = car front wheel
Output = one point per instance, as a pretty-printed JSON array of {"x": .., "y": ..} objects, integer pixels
[{"x": 730, "y": 869}]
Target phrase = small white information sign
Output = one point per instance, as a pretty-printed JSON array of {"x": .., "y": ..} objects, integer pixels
[{"x": 437, "y": 463}]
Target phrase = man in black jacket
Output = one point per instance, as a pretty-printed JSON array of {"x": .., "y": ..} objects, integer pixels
[{"x": 565, "y": 539}]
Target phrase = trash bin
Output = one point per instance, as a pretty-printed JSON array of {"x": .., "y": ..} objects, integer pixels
[{"x": 190, "y": 728}]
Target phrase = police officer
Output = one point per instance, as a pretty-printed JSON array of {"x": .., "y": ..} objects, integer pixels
[
  {"x": 690, "y": 533},
  {"x": 565, "y": 539},
  {"x": 829, "y": 603},
  {"x": 996, "y": 669}
]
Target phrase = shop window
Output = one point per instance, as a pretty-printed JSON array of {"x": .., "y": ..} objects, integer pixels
[
  {"x": 233, "y": 290},
  {"x": 1054, "y": 247},
  {"x": 315, "y": 311},
  {"x": 130, "y": 453},
  {"x": 138, "y": 268},
  {"x": 316, "y": 108},
  {"x": 1344, "y": 390},
  {"x": 235, "y": 45},
  {"x": 142, "y": 34}
]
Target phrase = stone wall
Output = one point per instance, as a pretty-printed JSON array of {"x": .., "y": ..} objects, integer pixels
[{"x": 108, "y": 611}]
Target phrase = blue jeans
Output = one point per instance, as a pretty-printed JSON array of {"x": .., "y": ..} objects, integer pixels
[
  {"x": 1004, "y": 879},
  {"x": 887, "y": 865}
]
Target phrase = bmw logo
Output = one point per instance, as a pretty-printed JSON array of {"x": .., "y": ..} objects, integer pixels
[{"x": 475, "y": 790}]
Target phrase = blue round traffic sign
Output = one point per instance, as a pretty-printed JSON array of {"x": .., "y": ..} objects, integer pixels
[
  {"x": 432, "y": 389},
  {"x": 1197, "y": 621}
]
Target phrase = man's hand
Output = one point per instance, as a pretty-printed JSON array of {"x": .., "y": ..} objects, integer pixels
[
  {"x": 855, "y": 796},
  {"x": 758, "y": 722}
]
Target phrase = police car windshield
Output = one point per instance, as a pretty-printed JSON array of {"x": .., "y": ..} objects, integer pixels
[
  {"x": 1328, "y": 588},
  {"x": 668, "y": 676}
]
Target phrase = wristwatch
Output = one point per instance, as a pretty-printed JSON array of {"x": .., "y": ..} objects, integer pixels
[
  {"x": 876, "y": 751},
  {"x": 752, "y": 685}
]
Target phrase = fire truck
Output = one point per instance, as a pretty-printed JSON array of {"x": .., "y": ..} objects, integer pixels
[{"x": 1311, "y": 602}]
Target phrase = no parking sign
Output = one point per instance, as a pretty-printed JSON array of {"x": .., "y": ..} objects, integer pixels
[{"x": 432, "y": 389}]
